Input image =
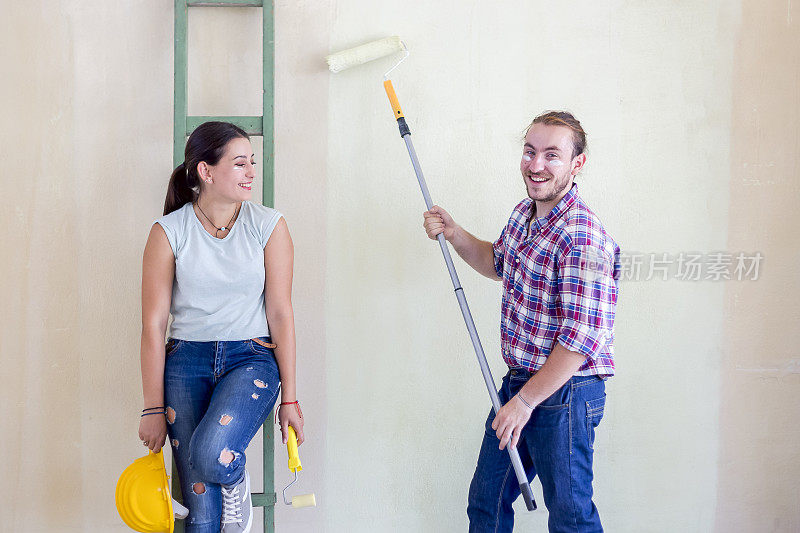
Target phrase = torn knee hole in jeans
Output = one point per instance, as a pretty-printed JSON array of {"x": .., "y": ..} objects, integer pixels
[
  {"x": 170, "y": 415},
  {"x": 226, "y": 457},
  {"x": 260, "y": 384},
  {"x": 224, "y": 420},
  {"x": 199, "y": 488}
]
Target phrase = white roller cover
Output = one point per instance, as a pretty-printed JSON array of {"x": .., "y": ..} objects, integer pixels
[{"x": 364, "y": 53}]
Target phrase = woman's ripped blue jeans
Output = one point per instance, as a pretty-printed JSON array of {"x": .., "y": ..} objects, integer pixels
[{"x": 217, "y": 395}]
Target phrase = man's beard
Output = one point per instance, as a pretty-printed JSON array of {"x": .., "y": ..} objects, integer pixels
[{"x": 559, "y": 184}]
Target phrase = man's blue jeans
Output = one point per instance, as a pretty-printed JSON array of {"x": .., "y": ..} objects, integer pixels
[
  {"x": 217, "y": 395},
  {"x": 557, "y": 445}
]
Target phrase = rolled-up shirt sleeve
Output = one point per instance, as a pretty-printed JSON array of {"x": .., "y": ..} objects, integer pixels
[
  {"x": 499, "y": 249},
  {"x": 587, "y": 290}
]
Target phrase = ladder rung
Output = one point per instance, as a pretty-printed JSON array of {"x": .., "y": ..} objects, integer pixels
[
  {"x": 264, "y": 500},
  {"x": 252, "y": 125},
  {"x": 225, "y": 3}
]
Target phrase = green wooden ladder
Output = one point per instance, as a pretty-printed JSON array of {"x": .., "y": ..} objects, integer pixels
[{"x": 257, "y": 126}]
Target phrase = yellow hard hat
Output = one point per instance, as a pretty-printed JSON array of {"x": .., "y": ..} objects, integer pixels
[{"x": 143, "y": 498}]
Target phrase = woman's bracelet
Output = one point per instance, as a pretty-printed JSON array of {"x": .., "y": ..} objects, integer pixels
[
  {"x": 155, "y": 413},
  {"x": 299, "y": 411},
  {"x": 152, "y": 408}
]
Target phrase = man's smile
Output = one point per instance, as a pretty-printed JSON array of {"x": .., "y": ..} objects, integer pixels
[{"x": 537, "y": 179}]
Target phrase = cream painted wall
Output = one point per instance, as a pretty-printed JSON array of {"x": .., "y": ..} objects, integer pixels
[
  {"x": 475, "y": 78},
  {"x": 696, "y": 436},
  {"x": 760, "y": 374}
]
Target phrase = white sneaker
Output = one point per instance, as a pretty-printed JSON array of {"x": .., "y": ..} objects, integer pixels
[{"x": 237, "y": 507}]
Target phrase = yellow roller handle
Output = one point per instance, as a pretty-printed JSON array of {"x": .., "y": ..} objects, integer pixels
[
  {"x": 291, "y": 450},
  {"x": 398, "y": 113}
]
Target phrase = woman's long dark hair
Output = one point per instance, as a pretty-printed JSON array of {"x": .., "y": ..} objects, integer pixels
[{"x": 206, "y": 143}]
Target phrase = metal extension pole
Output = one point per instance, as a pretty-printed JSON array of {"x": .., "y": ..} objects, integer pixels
[{"x": 405, "y": 133}]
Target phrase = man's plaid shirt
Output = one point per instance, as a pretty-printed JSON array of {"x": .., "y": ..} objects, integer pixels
[{"x": 560, "y": 276}]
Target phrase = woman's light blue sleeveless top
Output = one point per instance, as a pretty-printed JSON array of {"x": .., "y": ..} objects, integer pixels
[{"x": 218, "y": 291}]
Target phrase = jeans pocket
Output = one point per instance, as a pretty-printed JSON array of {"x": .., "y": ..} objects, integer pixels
[
  {"x": 171, "y": 346},
  {"x": 545, "y": 416},
  {"x": 261, "y": 346},
  {"x": 553, "y": 411},
  {"x": 594, "y": 413}
]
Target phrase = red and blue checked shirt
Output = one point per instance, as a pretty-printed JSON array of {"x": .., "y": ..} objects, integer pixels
[{"x": 560, "y": 276}]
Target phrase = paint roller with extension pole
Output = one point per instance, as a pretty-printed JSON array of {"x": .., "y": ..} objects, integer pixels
[
  {"x": 382, "y": 48},
  {"x": 304, "y": 500}
]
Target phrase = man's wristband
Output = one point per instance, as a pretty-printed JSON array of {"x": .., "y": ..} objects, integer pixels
[{"x": 529, "y": 406}]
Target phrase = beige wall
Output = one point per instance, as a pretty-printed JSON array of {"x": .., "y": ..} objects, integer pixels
[
  {"x": 760, "y": 374},
  {"x": 692, "y": 114}
]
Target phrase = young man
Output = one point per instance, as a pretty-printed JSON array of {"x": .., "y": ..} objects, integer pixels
[{"x": 559, "y": 270}]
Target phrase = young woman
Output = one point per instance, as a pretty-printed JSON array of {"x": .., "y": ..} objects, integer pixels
[{"x": 222, "y": 266}]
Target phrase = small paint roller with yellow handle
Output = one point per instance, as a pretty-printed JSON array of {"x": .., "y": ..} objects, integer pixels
[{"x": 304, "y": 500}]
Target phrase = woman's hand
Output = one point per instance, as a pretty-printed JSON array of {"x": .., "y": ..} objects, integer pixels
[
  {"x": 291, "y": 415},
  {"x": 153, "y": 431}
]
